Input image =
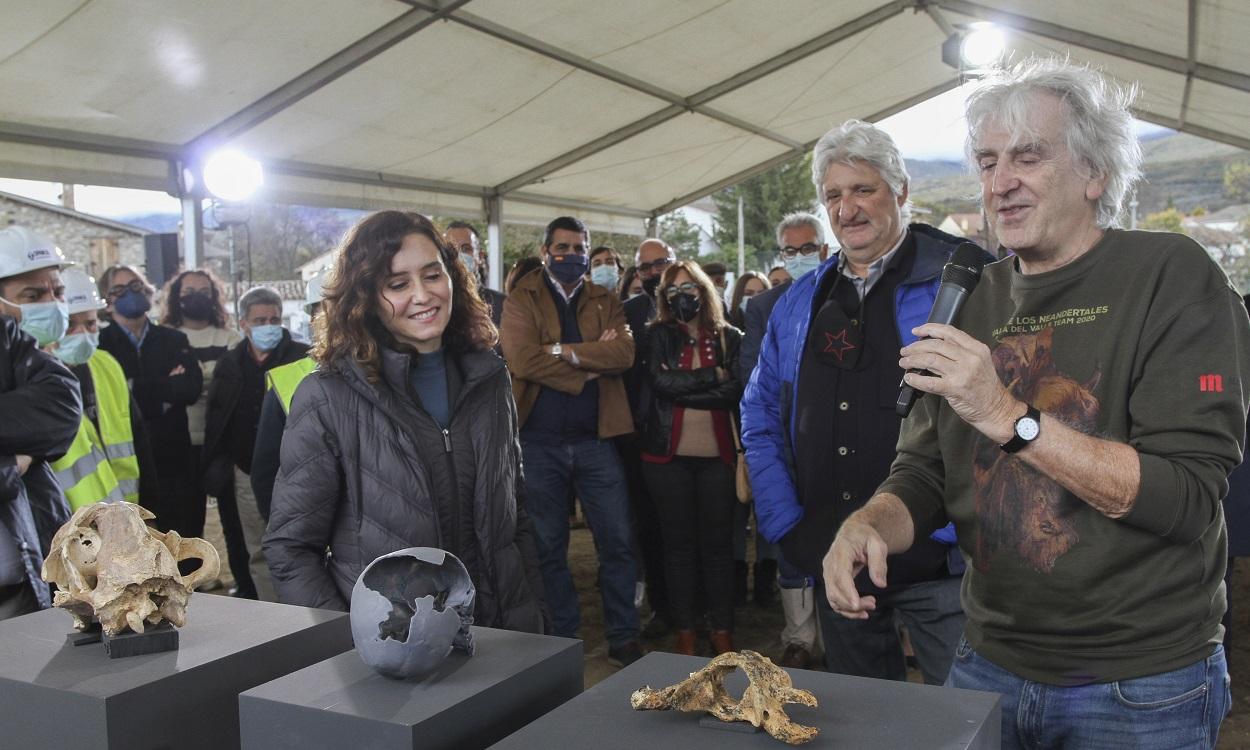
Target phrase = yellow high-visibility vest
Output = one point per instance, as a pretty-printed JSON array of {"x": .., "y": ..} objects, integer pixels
[
  {"x": 101, "y": 463},
  {"x": 285, "y": 379}
]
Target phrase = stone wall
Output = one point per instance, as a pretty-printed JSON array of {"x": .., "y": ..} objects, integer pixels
[{"x": 91, "y": 245}]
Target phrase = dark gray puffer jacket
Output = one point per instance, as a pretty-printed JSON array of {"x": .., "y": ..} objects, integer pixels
[{"x": 365, "y": 471}]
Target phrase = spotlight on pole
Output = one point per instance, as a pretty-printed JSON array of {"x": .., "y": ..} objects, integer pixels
[
  {"x": 983, "y": 46},
  {"x": 975, "y": 49},
  {"x": 232, "y": 175}
]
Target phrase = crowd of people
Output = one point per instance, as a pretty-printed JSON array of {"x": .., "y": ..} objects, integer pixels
[{"x": 1047, "y": 523}]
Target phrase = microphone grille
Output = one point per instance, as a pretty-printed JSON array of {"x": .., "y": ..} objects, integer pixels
[{"x": 964, "y": 268}]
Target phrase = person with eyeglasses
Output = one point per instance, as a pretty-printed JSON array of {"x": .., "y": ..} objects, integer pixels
[
  {"x": 652, "y": 257},
  {"x": 801, "y": 248},
  {"x": 688, "y": 449},
  {"x": 165, "y": 378}
]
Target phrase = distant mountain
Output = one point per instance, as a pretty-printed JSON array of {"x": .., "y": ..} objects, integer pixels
[
  {"x": 1184, "y": 169},
  {"x": 153, "y": 222},
  {"x": 922, "y": 170}
]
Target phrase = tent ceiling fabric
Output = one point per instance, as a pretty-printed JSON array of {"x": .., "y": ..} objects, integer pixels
[{"x": 610, "y": 111}]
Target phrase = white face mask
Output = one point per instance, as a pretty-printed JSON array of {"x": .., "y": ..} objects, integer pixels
[
  {"x": 605, "y": 276},
  {"x": 77, "y": 348},
  {"x": 46, "y": 321},
  {"x": 802, "y": 264}
]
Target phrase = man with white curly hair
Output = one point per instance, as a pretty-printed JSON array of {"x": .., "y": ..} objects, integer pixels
[{"x": 1078, "y": 428}]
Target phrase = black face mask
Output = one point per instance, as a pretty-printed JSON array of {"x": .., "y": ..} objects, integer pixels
[
  {"x": 197, "y": 307},
  {"x": 685, "y": 307},
  {"x": 650, "y": 285}
]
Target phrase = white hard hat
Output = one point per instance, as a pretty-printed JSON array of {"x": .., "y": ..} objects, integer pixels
[
  {"x": 312, "y": 290},
  {"x": 80, "y": 291},
  {"x": 22, "y": 251}
]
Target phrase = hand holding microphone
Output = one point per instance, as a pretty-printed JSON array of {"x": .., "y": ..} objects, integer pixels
[{"x": 959, "y": 278}]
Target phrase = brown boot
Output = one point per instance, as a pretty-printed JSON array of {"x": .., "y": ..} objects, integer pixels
[
  {"x": 722, "y": 641},
  {"x": 685, "y": 642}
]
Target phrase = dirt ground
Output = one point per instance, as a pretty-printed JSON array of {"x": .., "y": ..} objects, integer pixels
[{"x": 759, "y": 629}]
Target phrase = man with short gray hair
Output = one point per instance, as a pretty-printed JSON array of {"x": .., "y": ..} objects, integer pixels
[
  {"x": 818, "y": 422},
  {"x": 234, "y": 402},
  {"x": 1078, "y": 428}
]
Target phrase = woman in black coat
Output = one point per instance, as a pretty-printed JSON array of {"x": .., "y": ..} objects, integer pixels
[
  {"x": 688, "y": 449},
  {"x": 406, "y": 435}
]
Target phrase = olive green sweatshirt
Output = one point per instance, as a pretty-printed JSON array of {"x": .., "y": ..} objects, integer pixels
[{"x": 1142, "y": 341}]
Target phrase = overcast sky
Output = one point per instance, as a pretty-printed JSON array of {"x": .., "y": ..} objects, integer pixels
[{"x": 931, "y": 130}]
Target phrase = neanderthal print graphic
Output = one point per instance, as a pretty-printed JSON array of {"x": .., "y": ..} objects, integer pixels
[{"x": 1020, "y": 512}]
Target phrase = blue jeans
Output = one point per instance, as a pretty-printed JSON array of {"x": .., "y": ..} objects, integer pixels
[
  {"x": 1169, "y": 711},
  {"x": 593, "y": 469}
]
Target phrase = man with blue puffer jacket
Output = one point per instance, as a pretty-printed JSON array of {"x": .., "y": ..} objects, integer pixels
[{"x": 818, "y": 420}]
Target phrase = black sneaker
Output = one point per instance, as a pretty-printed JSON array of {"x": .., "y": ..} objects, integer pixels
[{"x": 625, "y": 654}]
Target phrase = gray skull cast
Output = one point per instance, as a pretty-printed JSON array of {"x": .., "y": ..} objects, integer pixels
[{"x": 409, "y": 609}]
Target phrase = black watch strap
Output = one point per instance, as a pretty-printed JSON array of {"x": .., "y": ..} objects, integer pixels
[{"x": 1018, "y": 440}]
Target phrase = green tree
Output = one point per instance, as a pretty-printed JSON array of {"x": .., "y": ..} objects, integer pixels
[
  {"x": 681, "y": 235},
  {"x": 766, "y": 198},
  {"x": 1169, "y": 219},
  {"x": 1237, "y": 181}
]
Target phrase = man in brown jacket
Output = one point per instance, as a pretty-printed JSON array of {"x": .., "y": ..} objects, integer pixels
[{"x": 567, "y": 344}]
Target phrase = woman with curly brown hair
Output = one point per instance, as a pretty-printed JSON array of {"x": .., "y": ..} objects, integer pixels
[
  {"x": 406, "y": 434},
  {"x": 195, "y": 304},
  {"x": 688, "y": 449}
]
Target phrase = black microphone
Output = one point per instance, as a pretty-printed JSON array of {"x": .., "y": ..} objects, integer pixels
[{"x": 959, "y": 278}]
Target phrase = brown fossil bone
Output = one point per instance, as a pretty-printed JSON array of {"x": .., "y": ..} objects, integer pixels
[
  {"x": 762, "y": 704},
  {"x": 109, "y": 564}
]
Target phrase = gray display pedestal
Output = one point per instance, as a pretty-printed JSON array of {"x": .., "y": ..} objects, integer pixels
[
  {"x": 852, "y": 713},
  {"x": 56, "y": 695},
  {"x": 469, "y": 702}
]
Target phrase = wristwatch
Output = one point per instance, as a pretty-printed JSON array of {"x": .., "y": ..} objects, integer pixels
[
  {"x": 1027, "y": 429},
  {"x": 557, "y": 349}
]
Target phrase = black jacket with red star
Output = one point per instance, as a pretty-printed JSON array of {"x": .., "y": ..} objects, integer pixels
[{"x": 802, "y": 519}]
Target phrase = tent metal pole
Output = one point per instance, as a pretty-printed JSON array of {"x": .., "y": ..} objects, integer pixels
[
  {"x": 192, "y": 232},
  {"x": 494, "y": 239}
]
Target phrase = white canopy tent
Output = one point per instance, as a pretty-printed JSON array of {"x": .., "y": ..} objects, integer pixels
[{"x": 614, "y": 112}]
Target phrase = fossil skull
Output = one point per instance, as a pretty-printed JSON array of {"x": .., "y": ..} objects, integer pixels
[
  {"x": 762, "y": 704},
  {"x": 107, "y": 563}
]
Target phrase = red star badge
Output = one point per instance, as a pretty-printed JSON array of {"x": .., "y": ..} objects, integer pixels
[{"x": 837, "y": 344}]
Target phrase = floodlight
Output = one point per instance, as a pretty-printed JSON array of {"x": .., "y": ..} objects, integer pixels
[
  {"x": 232, "y": 175},
  {"x": 982, "y": 46}
]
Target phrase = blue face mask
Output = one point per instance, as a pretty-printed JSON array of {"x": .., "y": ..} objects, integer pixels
[
  {"x": 265, "y": 338},
  {"x": 132, "y": 304},
  {"x": 470, "y": 262},
  {"x": 567, "y": 269},
  {"x": 743, "y": 305},
  {"x": 46, "y": 321},
  {"x": 605, "y": 276},
  {"x": 802, "y": 264},
  {"x": 77, "y": 348}
]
